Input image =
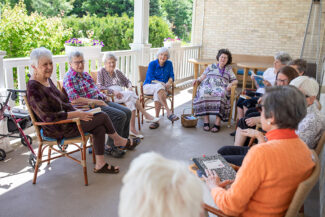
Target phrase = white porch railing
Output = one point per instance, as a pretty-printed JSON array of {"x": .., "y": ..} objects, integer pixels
[{"x": 127, "y": 63}]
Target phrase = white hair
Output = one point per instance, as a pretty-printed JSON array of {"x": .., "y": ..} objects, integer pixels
[
  {"x": 308, "y": 85},
  {"x": 163, "y": 50},
  {"x": 108, "y": 56},
  {"x": 73, "y": 54},
  {"x": 159, "y": 187},
  {"x": 38, "y": 53}
]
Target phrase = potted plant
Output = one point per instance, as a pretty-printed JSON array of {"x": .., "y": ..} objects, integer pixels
[
  {"x": 172, "y": 42},
  {"x": 90, "y": 48}
]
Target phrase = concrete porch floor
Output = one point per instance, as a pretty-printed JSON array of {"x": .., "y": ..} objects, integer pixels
[{"x": 60, "y": 189}]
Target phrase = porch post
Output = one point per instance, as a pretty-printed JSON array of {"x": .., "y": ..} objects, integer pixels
[
  {"x": 2, "y": 71},
  {"x": 141, "y": 34}
]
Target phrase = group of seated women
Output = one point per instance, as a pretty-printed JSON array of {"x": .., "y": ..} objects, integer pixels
[
  {"x": 287, "y": 113},
  {"x": 79, "y": 89}
]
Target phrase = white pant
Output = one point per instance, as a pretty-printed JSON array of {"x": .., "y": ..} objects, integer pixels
[
  {"x": 153, "y": 89},
  {"x": 129, "y": 97}
]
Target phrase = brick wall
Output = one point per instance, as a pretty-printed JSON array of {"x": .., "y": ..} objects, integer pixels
[{"x": 260, "y": 27}]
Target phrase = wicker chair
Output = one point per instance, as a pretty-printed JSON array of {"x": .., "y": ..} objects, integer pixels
[{"x": 62, "y": 149}]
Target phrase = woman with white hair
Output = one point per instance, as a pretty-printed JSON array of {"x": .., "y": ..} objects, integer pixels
[
  {"x": 159, "y": 187},
  {"x": 310, "y": 129},
  {"x": 159, "y": 79},
  {"x": 113, "y": 80},
  {"x": 51, "y": 105}
]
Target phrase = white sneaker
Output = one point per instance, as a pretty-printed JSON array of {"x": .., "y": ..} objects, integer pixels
[
  {"x": 152, "y": 121},
  {"x": 136, "y": 135}
]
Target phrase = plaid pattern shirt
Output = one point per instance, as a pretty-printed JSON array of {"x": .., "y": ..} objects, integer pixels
[
  {"x": 80, "y": 85},
  {"x": 105, "y": 80}
]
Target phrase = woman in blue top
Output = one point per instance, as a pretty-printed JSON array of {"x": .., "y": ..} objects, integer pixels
[
  {"x": 213, "y": 93},
  {"x": 159, "y": 79}
]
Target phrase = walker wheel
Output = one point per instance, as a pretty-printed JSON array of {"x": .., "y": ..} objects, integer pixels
[
  {"x": 32, "y": 160},
  {"x": 2, "y": 154},
  {"x": 29, "y": 140}
]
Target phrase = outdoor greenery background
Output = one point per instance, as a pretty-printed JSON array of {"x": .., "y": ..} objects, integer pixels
[{"x": 27, "y": 24}]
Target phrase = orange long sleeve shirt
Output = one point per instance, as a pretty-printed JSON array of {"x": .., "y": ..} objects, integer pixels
[{"x": 268, "y": 177}]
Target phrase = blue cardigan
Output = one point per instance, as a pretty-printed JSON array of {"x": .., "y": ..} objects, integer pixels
[{"x": 159, "y": 73}]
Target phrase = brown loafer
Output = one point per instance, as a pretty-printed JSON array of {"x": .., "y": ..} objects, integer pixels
[{"x": 154, "y": 125}]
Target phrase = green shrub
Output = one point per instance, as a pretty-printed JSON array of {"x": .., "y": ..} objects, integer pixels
[
  {"x": 21, "y": 33},
  {"x": 117, "y": 32}
]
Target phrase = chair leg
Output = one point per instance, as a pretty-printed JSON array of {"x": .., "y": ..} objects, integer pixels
[
  {"x": 93, "y": 149},
  {"x": 83, "y": 162},
  {"x": 38, "y": 160},
  {"x": 138, "y": 114},
  {"x": 49, "y": 156}
]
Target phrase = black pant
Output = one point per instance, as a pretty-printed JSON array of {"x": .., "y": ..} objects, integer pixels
[{"x": 234, "y": 154}]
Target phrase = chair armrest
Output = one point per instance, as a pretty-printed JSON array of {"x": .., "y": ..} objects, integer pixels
[
  {"x": 74, "y": 120},
  {"x": 214, "y": 210}
]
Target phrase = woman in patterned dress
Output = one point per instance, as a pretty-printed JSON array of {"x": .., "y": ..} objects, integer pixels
[
  {"x": 113, "y": 80},
  {"x": 213, "y": 93}
]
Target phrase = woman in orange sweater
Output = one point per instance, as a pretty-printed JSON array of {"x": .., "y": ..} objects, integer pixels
[{"x": 271, "y": 171}]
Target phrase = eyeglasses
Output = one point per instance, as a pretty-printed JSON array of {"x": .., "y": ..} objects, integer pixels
[
  {"x": 79, "y": 62},
  {"x": 282, "y": 81},
  {"x": 307, "y": 96}
]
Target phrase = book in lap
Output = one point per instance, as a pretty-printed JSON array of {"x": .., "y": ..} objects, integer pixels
[
  {"x": 259, "y": 80},
  {"x": 216, "y": 163},
  {"x": 94, "y": 111}
]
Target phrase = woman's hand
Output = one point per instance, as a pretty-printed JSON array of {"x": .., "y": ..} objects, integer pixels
[
  {"x": 99, "y": 102},
  {"x": 196, "y": 81},
  {"x": 253, "y": 133},
  {"x": 212, "y": 180},
  {"x": 118, "y": 94},
  {"x": 229, "y": 87},
  {"x": 266, "y": 83},
  {"x": 168, "y": 85},
  {"x": 252, "y": 121}
]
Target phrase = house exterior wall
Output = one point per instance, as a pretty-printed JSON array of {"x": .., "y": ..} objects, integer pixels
[{"x": 250, "y": 26}]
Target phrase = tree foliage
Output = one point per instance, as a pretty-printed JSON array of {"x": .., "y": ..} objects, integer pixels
[
  {"x": 52, "y": 8},
  {"x": 20, "y": 33},
  {"x": 117, "y": 32},
  {"x": 179, "y": 14}
]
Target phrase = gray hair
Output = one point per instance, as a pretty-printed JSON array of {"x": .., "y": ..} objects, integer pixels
[
  {"x": 163, "y": 50},
  {"x": 307, "y": 85},
  {"x": 74, "y": 54},
  {"x": 283, "y": 57},
  {"x": 286, "y": 104},
  {"x": 108, "y": 56},
  {"x": 156, "y": 186},
  {"x": 37, "y": 53}
]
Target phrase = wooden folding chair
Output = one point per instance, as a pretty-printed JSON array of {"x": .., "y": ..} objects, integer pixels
[
  {"x": 61, "y": 150},
  {"x": 298, "y": 199},
  {"x": 144, "y": 98},
  {"x": 93, "y": 74}
]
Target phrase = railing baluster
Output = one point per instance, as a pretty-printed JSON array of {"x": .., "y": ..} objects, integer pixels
[
  {"x": 62, "y": 70},
  {"x": 21, "y": 78}
]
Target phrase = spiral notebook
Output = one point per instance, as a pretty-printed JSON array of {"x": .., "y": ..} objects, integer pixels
[{"x": 216, "y": 163}]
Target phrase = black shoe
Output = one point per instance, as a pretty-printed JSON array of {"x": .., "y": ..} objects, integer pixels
[
  {"x": 115, "y": 152},
  {"x": 233, "y": 133}
]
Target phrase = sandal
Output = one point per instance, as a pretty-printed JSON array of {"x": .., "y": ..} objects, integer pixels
[
  {"x": 173, "y": 117},
  {"x": 128, "y": 146},
  {"x": 104, "y": 169},
  {"x": 206, "y": 126},
  {"x": 154, "y": 125},
  {"x": 215, "y": 129}
]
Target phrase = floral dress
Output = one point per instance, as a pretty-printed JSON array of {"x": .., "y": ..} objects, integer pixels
[{"x": 212, "y": 97}]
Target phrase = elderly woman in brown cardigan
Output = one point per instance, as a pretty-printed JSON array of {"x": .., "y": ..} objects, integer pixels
[{"x": 49, "y": 105}]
